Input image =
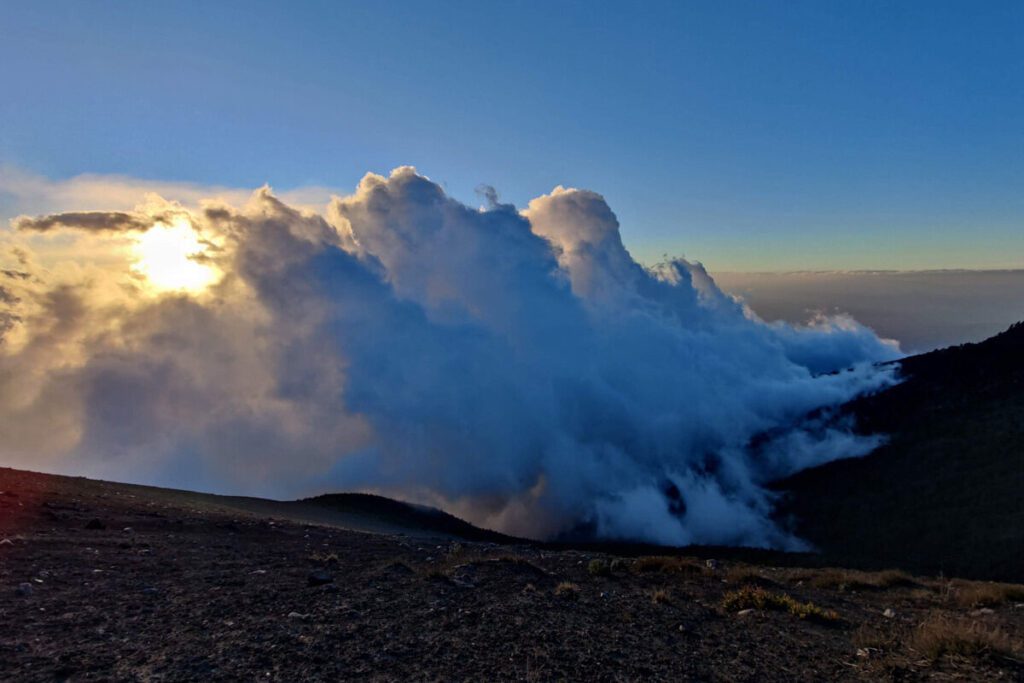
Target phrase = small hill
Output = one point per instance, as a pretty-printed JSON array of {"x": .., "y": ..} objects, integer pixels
[
  {"x": 397, "y": 514},
  {"x": 946, "y": 493}
]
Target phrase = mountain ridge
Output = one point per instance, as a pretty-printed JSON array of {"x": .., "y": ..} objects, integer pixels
[{"x": 945, "y": 493}]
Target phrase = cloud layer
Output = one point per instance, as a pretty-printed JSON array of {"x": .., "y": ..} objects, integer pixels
[{"x": 517, "y": 368}]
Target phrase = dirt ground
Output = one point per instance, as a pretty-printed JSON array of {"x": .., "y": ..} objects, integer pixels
[{"x": 103, "y": 581}]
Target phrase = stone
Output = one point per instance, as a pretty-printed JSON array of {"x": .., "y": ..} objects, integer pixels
[
  {"x": 889, "y": 613},
  {"x": 25, "y": 589}
]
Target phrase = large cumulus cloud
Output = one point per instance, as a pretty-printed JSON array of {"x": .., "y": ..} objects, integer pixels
[{"x": 518, "y": 368}]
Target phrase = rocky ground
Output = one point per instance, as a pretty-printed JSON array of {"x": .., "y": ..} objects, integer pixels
[{"x": 109, "y": 582}]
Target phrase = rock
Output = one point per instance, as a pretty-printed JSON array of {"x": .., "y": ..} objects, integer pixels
[
  {"x": 744, "y": 612},
  {"x": 982, "y": 612},
  {"x": 889, "y": 613},
  {"x": 95, "y": 525},
  {"x": 319, "y": 578},
  {"x": 6, "y": 541},
  {"x": 711, "y": 564},
  {"x": 127, "y": 530},
  {"x": 296, "y": 615},
  {"x": 25, "y": 589}
]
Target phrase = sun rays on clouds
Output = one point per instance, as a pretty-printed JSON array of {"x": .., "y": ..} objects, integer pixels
[{"x": 516, "y": 367}]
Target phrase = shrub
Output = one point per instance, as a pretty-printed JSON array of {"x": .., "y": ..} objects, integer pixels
[
  {"x": 598, "y": 568},
  {"x": 750, "y": 597},
  {"x": 660, "y": 597},
  {"x": 940, "y": 635}
]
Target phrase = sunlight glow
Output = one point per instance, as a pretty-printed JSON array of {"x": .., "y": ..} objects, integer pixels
[{"x": 167, "y": 257}]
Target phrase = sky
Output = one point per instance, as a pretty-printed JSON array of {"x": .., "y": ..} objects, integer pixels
[
  {"x": 748, "y": 136},
  {"x": 485, "y": 256}
]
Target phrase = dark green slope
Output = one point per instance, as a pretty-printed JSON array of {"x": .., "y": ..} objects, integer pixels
[{"x": 946, "y": 494}]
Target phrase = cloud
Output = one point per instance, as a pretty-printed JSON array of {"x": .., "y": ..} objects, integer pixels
[
  {"x": 112, "y": 221},
  {"x": 27, "y": 193},
  {"x": 518, "y": 368}
]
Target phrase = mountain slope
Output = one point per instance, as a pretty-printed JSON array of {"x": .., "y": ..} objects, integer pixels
[{"x": 946, "y": 494}]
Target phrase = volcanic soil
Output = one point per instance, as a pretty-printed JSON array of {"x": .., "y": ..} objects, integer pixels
[{"x": 113, "y": 582}]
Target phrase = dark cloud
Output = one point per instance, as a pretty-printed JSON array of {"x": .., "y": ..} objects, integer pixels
[{"x": 92, "y": 221}]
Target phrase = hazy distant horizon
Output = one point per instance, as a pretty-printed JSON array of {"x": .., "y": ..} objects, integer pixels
[{"x": 922, "y": 309}]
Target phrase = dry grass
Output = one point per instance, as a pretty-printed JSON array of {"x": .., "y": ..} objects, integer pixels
[
  {"x": 598, "y": 568},
  {"x": 751, "y": 597},
  {"x": 875, "y": 638},
  {"x": 459, "y": 558},
  {"x": 944, "y": 635},
  {"x": 660, "y": 597},
  {"x": 567, "y": 590},
  {"x": 327, "y": 559},
  {"x": 850, "y": 579},
  {"x": 749, "y": 575},
  {"x": 983, "y": 594},
  {"x": 668, "y": 565}
]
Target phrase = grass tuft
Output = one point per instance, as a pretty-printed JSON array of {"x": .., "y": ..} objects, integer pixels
[
  {"x": 754, "y": 597},
  {"x": 668, "y": 565},
  {"x": 985, "y": 594},
  {"x": 850, "y": 579},
  {"x": 744, "y": 574},
  {"x": 944, "y": 635},
  {"x": 567, "y": 590}
]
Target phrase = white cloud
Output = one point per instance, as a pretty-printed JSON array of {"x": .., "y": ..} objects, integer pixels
[{"x": 518, "y": 368}]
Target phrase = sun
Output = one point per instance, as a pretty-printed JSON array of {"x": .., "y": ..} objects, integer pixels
[{"x": 167, "y": 255}]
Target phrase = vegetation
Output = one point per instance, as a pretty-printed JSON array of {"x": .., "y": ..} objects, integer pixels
[
  {"x": 849, "y": 580},
  {"x": 745, "y": 574},
  {"x": 668, "y": 565},
  {"x": 567, "y": 590},
  {"x": 978, "y": 594},
  {"x": 755, "y": 597},
  {"x": 941, "y": 635}
]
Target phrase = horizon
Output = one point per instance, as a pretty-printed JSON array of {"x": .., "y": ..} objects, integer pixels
[
  {"x": 644, "y": 297},
  {"x": 214, "y": 249}
]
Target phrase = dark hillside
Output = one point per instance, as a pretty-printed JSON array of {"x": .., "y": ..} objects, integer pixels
[
  {"x": 946, "y": 494},
  {"x": 426, "y": 520}
]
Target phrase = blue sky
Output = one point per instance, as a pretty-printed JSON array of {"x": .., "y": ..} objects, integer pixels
[{"x": 750, "y": 136}]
